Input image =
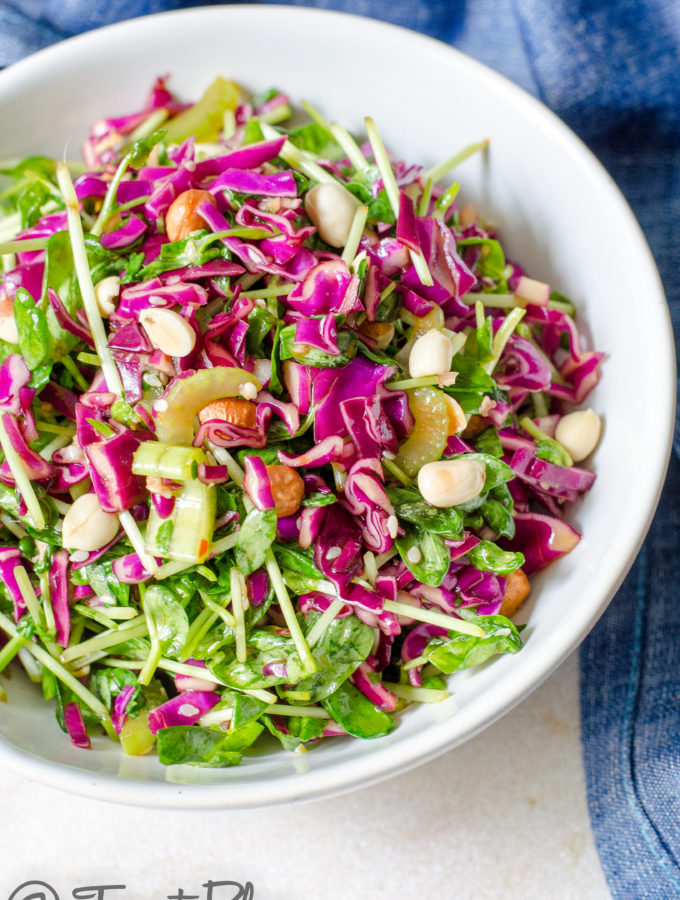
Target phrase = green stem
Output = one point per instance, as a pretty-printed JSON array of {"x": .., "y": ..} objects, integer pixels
[
  {"x": 354, "y": 236},
  {"x": 23, "y": 246},
  {"x": 502, "y": 336},
  {"x": 349, "y": 145},
  {"x": 71, "y": 367},
  {"x": 84, "y": 275},
  {"x": 21, "y": 479},
  {"x": 10, "y": 650},
  {"x": 419, "y": 694},
  {"x": 324, "y": 621},
  {"x": 434, "y": 618},
  {"x": 438, "y": 171},
  {"x": 286, "y": 605},
  {"x": 50, "y": 663},
  {"x": 398, "y": 473}
]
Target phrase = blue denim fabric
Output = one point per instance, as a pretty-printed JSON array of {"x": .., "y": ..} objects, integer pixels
[{"x": 611, "y": 70}]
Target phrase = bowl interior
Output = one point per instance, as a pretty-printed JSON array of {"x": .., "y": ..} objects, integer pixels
[{"x": 557, "y": 212}]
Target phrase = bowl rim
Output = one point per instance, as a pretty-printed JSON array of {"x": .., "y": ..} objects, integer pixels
[{"x": 362, "y": 771}]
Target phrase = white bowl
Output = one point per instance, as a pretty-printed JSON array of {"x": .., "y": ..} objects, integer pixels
[{"x": 558, "y": 212}]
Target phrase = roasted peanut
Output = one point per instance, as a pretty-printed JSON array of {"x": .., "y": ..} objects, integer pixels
[
  {"x": 430, "y": 355},
  {"x": 168, "y": 331},
  {"x": 86, "y": 526},
  {"x": 579, "y": 432},
  {"x": 237, "y": 412},
  {"x": 331, "y": 208},
  {"x": 516, "y": 591},
  {"x": 450, "y": 482},
  {"x": 181, "y": 218},
  {"x": 106, "y": 293},
  {"x": 288, "y": 489},
  {"x": 381, "y": 332}
]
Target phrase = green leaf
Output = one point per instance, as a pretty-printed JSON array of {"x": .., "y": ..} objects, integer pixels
[
  {"x": 498, "y": 516},
  {"x": 410, "y": 505},
  {"x": 253, "y": 132},
  {"x": 463, "y": 650},
  {"x": 169, "y": 617},
  {"x": 99, "y": 575},
  {"x": 31, "y": 201},
  {"x": 319, "y": 498},
  {"x": 108, "y": 683},
  {"x": 357, "y": 715},
  {"x": 288, "y": 741},
  {"x": 140, "y": 150},
  {"x": 553, "y": 452},
  {"x": 196, "y": 250},
  {"x": 479, "y": 343},
  {"x": 292, "y": 556},
  {"x": 264, "y": 647},
  {"x": 35, "y": 341},
  {"x": 260, "y": 324},
  {"x": 310, "y": 356},
  {"x": 256, "y": 536},
  {"x": 434, "y": 556},
  {"x": 340, "y": 650},
  {"x": 380, "y": 209},
  {"x": 315, "y": 139},
  {"x": 491, "y": 262},
  {"x": 472, "y": 384},
  {"x": 488, "y": 442},
  {"x": 487, "y": 557},
  {"x": 196, "y": 746},
  {"x": 306, "y": 728}
]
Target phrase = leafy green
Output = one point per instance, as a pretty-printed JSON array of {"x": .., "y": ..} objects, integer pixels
[
  {"x": 409, "y": 504},
  {"x": 357, "y": 715},
  {"x": 311, "y": 356},
  {"x": 107, "y": 683},
  {"x": 31, "y": 201},
  {"x": 434, "y": 556},
  {"x": 315, "y": 139},
  {"x": 306, "y": 728},
  {"x": 491, "y": 262},
  {"x": 292, "y": 556},
  {"x": 464, "y": 650},
  {"x": 319, "y": 498},
  {"x": 196, "y": 746},
  {"x": 35, "y": 340},
  {"x": 140, "y": 150},
  {"x": 479, "y": 343},
  {"x": 497, "y": 511},
  {"x": 487, "y": 557},
  {"x": 260, "y": 323},
  {"x": 264, "y": 647},
  {"x": 488, "y": 442},
  {"x": 99, "y": 575},
  {"x": 553, "y": 452},
  {"x": 340, "y": 650},
  {"x": 472, "y": 384},
  {"x": 196, "y": 250},
  {"x": 169, "y": 617},
  {"x": 257, "y": 533}
]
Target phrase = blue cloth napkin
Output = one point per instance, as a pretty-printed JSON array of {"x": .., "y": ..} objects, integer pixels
[{"x": 611, "y": 70}]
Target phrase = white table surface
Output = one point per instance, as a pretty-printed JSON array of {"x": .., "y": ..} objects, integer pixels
[{"x": 503, "y": 816}]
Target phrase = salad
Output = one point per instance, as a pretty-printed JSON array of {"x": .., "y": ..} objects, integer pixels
[{"x": 284, "y": 433}]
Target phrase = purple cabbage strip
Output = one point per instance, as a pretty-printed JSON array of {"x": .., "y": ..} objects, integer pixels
[
  {"x": 59, "y": 589},
  {"x": 73, "y": 720},
  {"x": 120, "y": 705},
  {"x": 185, "y": 709},
  {"x": 256, "y": 482}
]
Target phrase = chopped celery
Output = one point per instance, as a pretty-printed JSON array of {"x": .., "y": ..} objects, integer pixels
[
  {"x": 187, "y": 533},
  {"x": 135, "y": 737},
  {"x": 167, "y": 461},
  {"x": 204, "y": 119},
  {"x": 176, "y": 410}
]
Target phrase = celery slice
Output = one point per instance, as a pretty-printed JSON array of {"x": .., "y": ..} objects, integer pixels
[
  {"x": 205, "y": 118},
  {"x": 167, "y": 461},
  {"x": 186, "y": 535},
  {"x": 176, "y": 409}
]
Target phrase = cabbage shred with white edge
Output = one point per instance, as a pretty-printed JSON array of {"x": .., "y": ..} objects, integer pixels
[{"x": 235, "y": 499}]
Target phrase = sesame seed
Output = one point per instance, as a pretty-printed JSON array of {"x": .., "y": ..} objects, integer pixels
[
  {"x": 248, "y": 390},
  {"x": 333, "y": 553},
  {"x": 160, "y": 405},
  {"x": 393, "y": 526},
  {"x": 414, "y": 555}
]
